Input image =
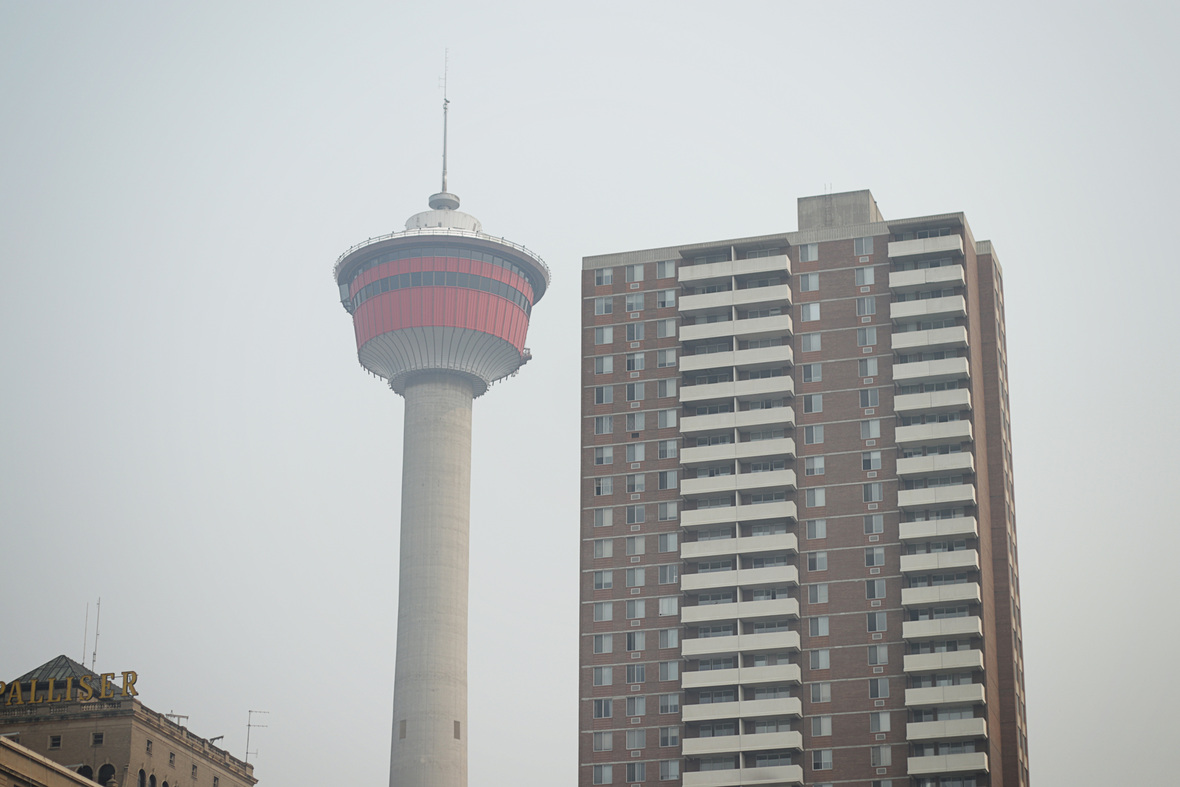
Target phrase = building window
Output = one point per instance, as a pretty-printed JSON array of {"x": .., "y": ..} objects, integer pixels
[
  {"x": 604, "y": 424},
  {"x": 870, "y": 397},
  {"x": 603, "y": 774},
  {"x": 867, "y": 367},
  {"x": 818, "y": 593},
  {"x": 604, "y": 486},
  {"x": 96, "y": 738},
  {"x": 665, "y": 299},
  {"x": 603, "y": 643},
  {"x": 635, "y": 577},
  {"x": 635, "y": 452},
  {"x": 817, "y": 561},
  {"x": 862, "y": 247},
  {"x": 866, "y": 337},
  {"x": 870, "y": 460},
  {"x": 604, "y": 276},
  {"x": 821, "y": 760},
  {"x": 866, "y": 306},
  {"x": 821, "y": 726},
  {"x": 665, "y": 329},
  {"x": 874, "y": 524},
  {"x": 810, "y": 342},
  {"x": 633, "y": 302},
  {"x": 873, "y": 493},
  {"x": 604, "y": 394},
  {"x": 171, "y": 759},
  {"x": 669, "y": 670},
  {"x": 603, "y": 517},
  {"x": 603, "y": 709},
  {"x": 636, "y": 706},
  {"x": 821, "y": 692},
  {"x": 813, "y": 465},
  {"x": 633, "y": 272},
  {"x": 878, "y": 688},
  {"x": 669, "y": 638},
  {"x": 666, "y": 419},
  {"x": 816, "y": 497},
  {"x": 667, "y": 479},
  {"x": 194, "y": 772},
  {"x": 603, "y": 580},
  {"x": 604, "y": 547},
  {"x": 666, "y": 542},
  {"x": 603, "y": 305},
  {"x": 603, "y": 611},
  {"x": 875, "y": 556},
  {"x": 636, "y": 482},
  {"x": 669, "y": 770},
  {"x": 878, "y": 654},
  {"x": 666, "y": 269},
  {"x": 880, "y": 756},
  {"x": 636, "y": 674},
  {"x": 636, "y": 422},
  {"x": 879, "y": 721},
  {"x": 818, "y": 626},
  {"x": 666, "y": 512},
  {"x": 808, "y": 252},
  {"x": 808, "y": 312},
  {"x": 636, "y": 739},
  {"x": 808, "y": 282},
  {"x": 55, "y": 743},
  {"x": 603, "y": 741},
  {"x": 604, "y": 335},
  {"x": 604, "y": 455},
  {"x": 865, "y": 276},
  {"x": 604, "y": 364},
  {"x": 812, "y": 372},
  {"x": 669, "y": 605},
  {"x": 877, "y": 620},
  {"x": 669, "y": 574},
  {"x": 635, "y": 608},
  {"x": 635, "y": 516},
  {"x": 817, "y": 528},
  {"x": 874, "y": 588},
  {"x": 820, "y": 659},
  {"x": 669, "y": 736},
  {"x": 636, "y": 771},
  {"x": 813, "y": 435},
  {"x": 870, "y": 429},
  {"x": 635, "y": 391},
  {"x": 635, "y": 362},
  {"x": 665, "y": 358},
  {"x": 635, "y": 332}
]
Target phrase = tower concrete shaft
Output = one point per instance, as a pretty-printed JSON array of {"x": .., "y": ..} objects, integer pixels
[{"x": 430, "y": 682}]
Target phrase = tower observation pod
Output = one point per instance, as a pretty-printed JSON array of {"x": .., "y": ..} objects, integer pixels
[{"x": 441, "y": 311}]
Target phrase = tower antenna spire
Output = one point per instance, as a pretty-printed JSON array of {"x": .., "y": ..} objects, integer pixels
[{"x": 446, "y": 103}]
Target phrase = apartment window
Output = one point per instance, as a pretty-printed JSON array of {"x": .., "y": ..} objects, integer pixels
[
  {"x": 603, "y": 580},
  {"x": 665, "y": 299},
  {"x": 873, "y": 493},
  {"x": 636, "y": 641},
  {"x": 877, "y": 620},
  {"x": 669, "y": 736},
  {"x": 870, "y": 460},
  {"x": 862, "y": 247},
  {"x": 635, "y": 453},
  {"x": 669, "y": 605},
  {"x": 604, "y": 455},
  {"x": 864, "y": 276},
  {"x": 666, "y": 419},
  {"x": 96, "y": 738},
  {"x": 808, "y": 282},
  {"x": 665, "y": 358},
  {"x": 603, "y": 676},
  {"x": 821, "y": 760},
  {"x": 603, "y": 741},
  {"x": 808, "y": 252},
  {"x": 603, "y": 305},
  {"x": 875, "y": 588},
  {"x": 603, "y": 611},
  {"x": 669, "y": 638},
  {"x": 636, "y": 771},
  {"x": 635, "y": 362},
  {"x": 604, "y": 486},
  {"x": 604, "y": 276},
  {"x": 813, "y": 465},
  {"x": 194, "y": 771},
  {"x": 878, "y": 654},
  {"x": 603, "y": 774},
  {"x": 635, "y": 608},
  {"x": 867, "y": 367},
  {"x": 604, "y": 424},
  {"x": 667, "y": 479},
  {"x": 817, "y": 528},
  {"x": 669, "y": 770},
  {"x": 866, "y": 337},
  {"x": 669, "y": 670},
  {"x": 633, "y": 272},
  {"x": 603, "y": 517},
  {"x": 635, "y": 391},
  {"x": 880, "y": 756},
  {"x": 808, "y": 312},
  {"x": 604, "y": 547},
  {"x": 820, "y": 659},
  {"x": 665, "y": 329},
  {"x": 636, "y": 482},
  {"x": 812, "y": 372},
  {"x": 666, "y": 512},
  {"x": 636, "y": 422},
  {"x": 818, "y": 626},
  {"x": 635, "y": 332},
  {"x": 633, "y": 301},
  {"x": 875, "y": 556},
  {"x": 604, "y": 364},
  {"x": 636, "y": 674},
  {"x": 816, "y": 497},
  {"x": 817, "y": 561},
  {"x": 810, "y": 342},
  {"x": 874, "y": 523},
  {"x": 818, "y": 593},
  {"x": 821, "y": 726},
  {"x": 879, "y": 721},
  {"x": 870, "y": 429},
  {"x": 604, "y": 394},
  {"x": 636, "y": 706},
  {"x": 821, "y": 692},
  {"x": 666, "y": 542},
  {"x": 878, "y": 688},
  {"x": 55, "y": 743},
  {"x": 635, "y": 577},
  {"x": 666, "y": 269},
  {"x": 813, "y": 435},
  {"x": 866, "y": 306},
  {"x": 666, "y": 449},
  {"x": 669, "y": 574},
  {"x": 604, "y": 335}
]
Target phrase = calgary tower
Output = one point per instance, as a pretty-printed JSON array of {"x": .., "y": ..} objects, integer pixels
[{"x": 441, "y": 311}]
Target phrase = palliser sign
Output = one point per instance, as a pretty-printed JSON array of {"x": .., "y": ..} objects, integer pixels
[{"x": 81, "y": 690}]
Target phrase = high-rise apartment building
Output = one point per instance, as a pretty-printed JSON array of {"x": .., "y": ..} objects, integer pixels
[{"x": 798, "y": 529}]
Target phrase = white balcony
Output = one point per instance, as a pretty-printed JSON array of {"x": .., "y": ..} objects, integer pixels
[
  {"x": 774, "y": 325},
  {"x": 739, "y": 389},
  {"x": 940, "y": 594},
  {"x": 720, "y": 547},
  {"x": 940, "y": 561},
  {"x": 967, "y": 694},
  {"x": 777, "y": 295},
  {"x": 927, "y": 278},
  {"x": 956, "y": 661},
  {"x": 933, "y": 434},
  {"x": 745, "y": 676},
  {"x": 916, "y": 466},
  {"x": 740, "y": 643},
  {"x": 743, "y": 709},
  {"x": 777, "y": 355},
  {"x": 928, "y": 309},
  {"x": 941, "y": 370},
  {"x": 743, "y": 419},
  {"x": 975, "y": 762},
  {"x": 954, "y": 494},
  {"x": 741, "y": 610},
  {"x": 741, "y": 577},
  {"x": 776, "y": 775},
  {"x": 934, "y": 401},
  {"x": 758, "y": 512},
  {"x": 726, "y": 744},
  {"x": 938, "y": 529},
  {"x": 779, "y": 447},
  {"x": 740, "y": 482},
  {"x": 952, "y": 729},
  {"x": 693, "y": 274},
  {"x": 943, "y": 244},
  {"x": 943, "y": 628},
  {"x": 933, "y": 339}
]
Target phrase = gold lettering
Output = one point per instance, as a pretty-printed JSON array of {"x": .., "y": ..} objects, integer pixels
[
  {"x": 87, "y": 691},
  {"x": 33, "y": 693},
  {"x": 107, "y": 690},
  {"x": 129, "y": 679},
  {"x": 50, "y": 697},
  {"x": 69, "y": 688},
  {"x": 15, "y": 697}
]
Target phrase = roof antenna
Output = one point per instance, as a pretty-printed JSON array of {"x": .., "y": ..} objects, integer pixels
[
  {"x": 97, "y": 620},
  {"x": 444, "y": 200},
  {"x": 85, "y": 634}
]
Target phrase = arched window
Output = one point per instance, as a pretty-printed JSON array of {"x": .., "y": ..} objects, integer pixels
[
  {"x": 142, "y": 778},
  {"x": 152, "y": 780},
  {"x": 105, "y": 774},
  {"x": 86, "y": 772}
]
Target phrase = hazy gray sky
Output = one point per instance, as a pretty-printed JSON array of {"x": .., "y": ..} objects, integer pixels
[{"x": 186, "y": 433}]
